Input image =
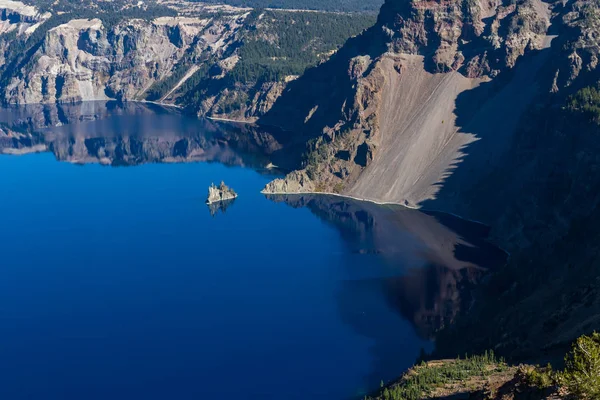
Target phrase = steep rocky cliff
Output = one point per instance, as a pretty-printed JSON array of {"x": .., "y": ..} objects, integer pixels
[
  {"x": 397, "y": 110},
  {"x": 84, "y": 60}
]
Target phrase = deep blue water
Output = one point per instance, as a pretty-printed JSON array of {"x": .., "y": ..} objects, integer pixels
[{"x": 118, "y": 283}]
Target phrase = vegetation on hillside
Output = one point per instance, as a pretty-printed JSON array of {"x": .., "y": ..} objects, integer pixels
[
  {"x": 424, "y": 379},
  {"x": 324, "y": 5},
  {"x": 283, "y": 43},
  {"x": 273, "y": 46},
  {"x": 357, "y": 6},
  {"x": 486, "y": 375},
  {"x": 581, "y": 377},
  {"x": 587, "y": 102},
  {"x": 123, "y": 7},
  {"x": 161, "y": 88}
]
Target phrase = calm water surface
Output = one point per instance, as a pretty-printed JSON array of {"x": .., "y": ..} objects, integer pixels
[{"x": 117, "y": 281}]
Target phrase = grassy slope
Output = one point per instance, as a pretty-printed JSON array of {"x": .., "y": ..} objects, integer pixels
[{"x": 477, "y": 377}]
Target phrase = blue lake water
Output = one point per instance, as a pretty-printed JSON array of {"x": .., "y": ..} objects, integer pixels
[{"x": 117, "y": 282}]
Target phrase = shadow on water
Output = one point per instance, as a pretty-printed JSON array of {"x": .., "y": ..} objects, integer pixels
[
  {"x": 428, "y": 264},
  {"x": 126, "y": 134}
]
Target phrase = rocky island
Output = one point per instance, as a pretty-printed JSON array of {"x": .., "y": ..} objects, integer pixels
[{"x": 217, "y": 194}]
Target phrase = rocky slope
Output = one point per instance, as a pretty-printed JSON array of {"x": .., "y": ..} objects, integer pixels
[{"x": 398, "y": 108}]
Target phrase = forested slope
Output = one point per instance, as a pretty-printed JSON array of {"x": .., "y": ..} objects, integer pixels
[{"x": 325, "y": 5}]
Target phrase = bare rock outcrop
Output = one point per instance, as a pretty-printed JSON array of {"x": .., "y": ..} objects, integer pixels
[
  {"x": 217, "y": 194},
  {"x": 86, "y": 60},
  {"x": 295, "y": 182},
  {"x": 459, "y": 33},
  {"x": 15, "y": 15}
]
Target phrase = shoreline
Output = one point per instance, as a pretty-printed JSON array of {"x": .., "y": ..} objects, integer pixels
[
  {"x": 229, "y": 120},
  {"x": 208, "y": 203},
  {"x": 379, "y": 203},
  {"x": 158, "y": 103}
]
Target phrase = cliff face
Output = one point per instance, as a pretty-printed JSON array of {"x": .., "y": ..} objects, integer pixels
[
  {"x": 83, "y": 60},
  {"x": 396, "y": 111},
  {"x": 15, "y": 15},
  {"x": 86, "y": 60},
  {"x": 475, "y": 37}
]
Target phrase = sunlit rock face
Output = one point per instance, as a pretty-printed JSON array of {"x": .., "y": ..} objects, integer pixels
[
  {"x": 19, "y": 17},
  {"x": 221, "y": 193},
  {"x": 84, "y": 60}
]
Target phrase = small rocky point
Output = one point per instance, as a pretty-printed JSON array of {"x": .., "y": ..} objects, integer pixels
[{"x": 220, "y": 193}]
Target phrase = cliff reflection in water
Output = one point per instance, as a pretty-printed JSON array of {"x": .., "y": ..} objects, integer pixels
[
  {"x": 428, "y": 263},
  {"x": 119, "y": 134}
]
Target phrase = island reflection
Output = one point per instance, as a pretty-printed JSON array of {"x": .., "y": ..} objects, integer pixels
[{"x": 219, "y": 207}]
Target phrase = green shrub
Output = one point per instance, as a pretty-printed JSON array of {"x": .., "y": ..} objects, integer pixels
[
  {"x": 581, "y": 376},
  {"x": 338, "y": 188},
  {"x": 538, "y": 377},
  {"x": 587, "y": 102}
]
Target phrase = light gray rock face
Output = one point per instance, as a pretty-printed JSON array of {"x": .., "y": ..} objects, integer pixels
[
  {"x": 294, "y": 182},
  {"x": 84, "y": 60},
  {"x": 220, "y": 193},
  {"x": 16, "y": 13},
  {"x": 17, "y": 19}
]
